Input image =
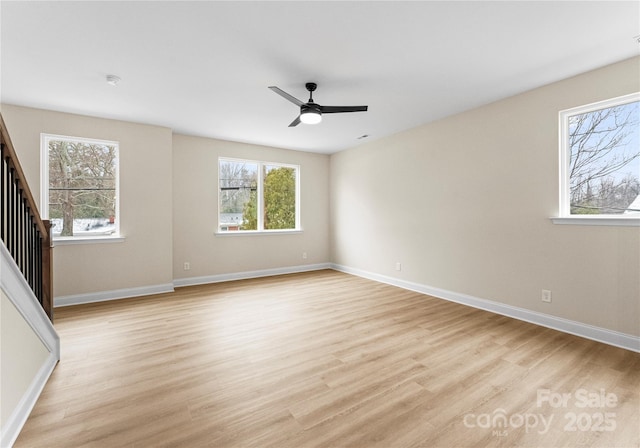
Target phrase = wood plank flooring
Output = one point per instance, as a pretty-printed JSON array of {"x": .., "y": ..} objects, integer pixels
[{"x": 325, "y": 359}]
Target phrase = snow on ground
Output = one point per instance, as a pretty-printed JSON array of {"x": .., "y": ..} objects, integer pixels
[{"x": 85, "y": 227}]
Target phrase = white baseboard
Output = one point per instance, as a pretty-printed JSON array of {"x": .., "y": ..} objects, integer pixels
[
  {"x": 606, "y": 336},
  {"x": 17, "y": 290},
  {"x": 126, "y": 293},
  {"x": 249, "y": 274},
  {"x": 115, "y": 294},
  {"x": 18, "y": 418},
  {"x": 610, "y": 337}
]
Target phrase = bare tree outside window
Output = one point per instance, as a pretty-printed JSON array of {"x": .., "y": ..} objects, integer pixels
[
  {"x": 237, "y": 182},
  {"x": 82, "y": 187},
  {"x": 604, "y": 169}
]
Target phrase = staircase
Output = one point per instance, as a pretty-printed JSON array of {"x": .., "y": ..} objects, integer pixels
[{"x": 30, "y": 344}]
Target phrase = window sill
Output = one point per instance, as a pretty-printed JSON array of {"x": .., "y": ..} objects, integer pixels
[
  {"x": 598, "y": 220},
  {"x": 68, "y": 241},
  {"x": 258, "y": 232}
]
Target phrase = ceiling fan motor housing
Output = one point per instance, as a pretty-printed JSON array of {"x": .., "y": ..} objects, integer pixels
[{"x": 310, "y": 108}]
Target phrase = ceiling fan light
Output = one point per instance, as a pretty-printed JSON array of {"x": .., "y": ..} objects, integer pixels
[{"x": 310, "y": 117}]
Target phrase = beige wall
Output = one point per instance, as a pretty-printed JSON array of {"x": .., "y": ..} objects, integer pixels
[
  {"x": 168, "y": 206},
  {"x": 145, "y": 257},
  {"x": 464, "y": 204},
  {"x": 20, "y": 363},
  {"x": 195, "y": 164}
]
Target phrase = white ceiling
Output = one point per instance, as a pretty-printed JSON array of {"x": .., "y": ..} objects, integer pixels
[{"x": 203, "y": 68}]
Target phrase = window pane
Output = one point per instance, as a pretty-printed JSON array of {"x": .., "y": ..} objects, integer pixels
[
  {"x": 82, "y": 188},
  {"x": 238, "y": 195},
  {"x": 279, "y": 197},
  {"x": 604, "y": 172}
]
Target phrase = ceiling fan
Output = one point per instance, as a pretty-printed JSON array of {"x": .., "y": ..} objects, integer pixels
[{"x": 310, "y": 112}]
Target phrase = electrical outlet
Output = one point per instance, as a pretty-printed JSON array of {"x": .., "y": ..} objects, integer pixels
[
  {"x": 546, "y": 296},
  {"x": 187, "y": 265},
  {"x": 304, "y": 255},
  {"x": 398, "y": 266}
]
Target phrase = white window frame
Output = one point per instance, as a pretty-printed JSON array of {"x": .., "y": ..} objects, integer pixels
[
  {"x": 116, "y": 237},
  {"x": 260, "y": 199},
  {"x": 564, "y": 215}
]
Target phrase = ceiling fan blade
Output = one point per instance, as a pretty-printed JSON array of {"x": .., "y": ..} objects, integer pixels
[
  {"x": 340, "y": 109},
  {"x": 285, "y": 95},
  {"x": 295, "y": 122}
]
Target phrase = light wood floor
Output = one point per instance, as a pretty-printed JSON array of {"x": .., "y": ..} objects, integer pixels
[{"x": 325, "y": 359}]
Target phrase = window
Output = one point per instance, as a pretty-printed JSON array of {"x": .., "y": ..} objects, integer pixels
[
  {"x": 600, "y": 160},
  {"x": 80, "y": 187},
  {"x": 257, "y": 196}
]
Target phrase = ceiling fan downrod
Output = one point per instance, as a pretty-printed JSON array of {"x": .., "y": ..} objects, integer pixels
[{"x": 311, "y": 87}]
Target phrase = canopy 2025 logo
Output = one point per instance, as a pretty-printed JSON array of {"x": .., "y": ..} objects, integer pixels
[{"x": 593, "y": 413}]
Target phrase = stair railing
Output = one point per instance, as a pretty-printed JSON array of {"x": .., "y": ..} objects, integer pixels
[{"x": 25, "y": 235}]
